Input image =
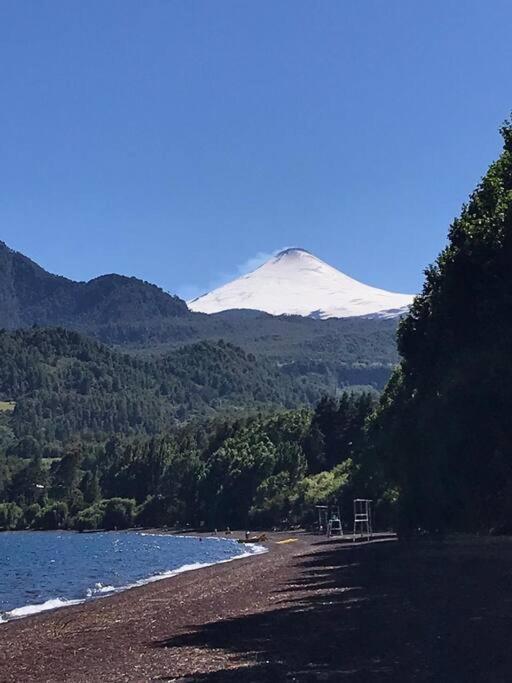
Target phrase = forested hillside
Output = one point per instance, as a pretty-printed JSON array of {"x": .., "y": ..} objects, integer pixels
[
  {"x": 443, "y": 432},
  {"x": 253, "y": 471},
  {"x": 65, "y": 385},
  {"x": 31, "y": 296}
]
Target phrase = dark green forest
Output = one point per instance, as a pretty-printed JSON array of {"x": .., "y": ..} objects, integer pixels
[
  {"x": 94, "y": 438},
  {"x": 66, "y": 386},
  {"x": 255, "y": 471},
  {"x": 442, "y": 432}
]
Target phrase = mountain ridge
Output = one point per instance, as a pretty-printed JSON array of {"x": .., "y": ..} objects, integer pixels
[
  {"x": 30, "y": 295},
  {"x": 134, "y": 315}
]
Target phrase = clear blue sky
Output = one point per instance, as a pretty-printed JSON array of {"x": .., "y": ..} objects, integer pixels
[{"x": 176, "y": 140}]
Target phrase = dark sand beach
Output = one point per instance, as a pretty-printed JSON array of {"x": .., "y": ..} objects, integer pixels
[{"x": 311, "y": 610}]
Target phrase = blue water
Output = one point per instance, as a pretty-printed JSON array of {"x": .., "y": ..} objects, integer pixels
[{"x": 44, "y": 570}]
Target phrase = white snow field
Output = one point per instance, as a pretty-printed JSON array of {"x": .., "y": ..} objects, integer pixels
[{"x": 295, "y": 282}]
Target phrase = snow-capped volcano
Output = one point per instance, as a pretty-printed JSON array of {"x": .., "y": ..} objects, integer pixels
[{"x": 295, "y": 282}]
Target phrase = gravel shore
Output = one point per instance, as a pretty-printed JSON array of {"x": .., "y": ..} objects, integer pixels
[{"x": 310, "y": 610}]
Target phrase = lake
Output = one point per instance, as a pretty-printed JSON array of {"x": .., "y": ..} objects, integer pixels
[{"x": 41, "y": 570}]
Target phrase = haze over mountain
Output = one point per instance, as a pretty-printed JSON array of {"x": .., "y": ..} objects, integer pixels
[{"x": 295, "y": 282}]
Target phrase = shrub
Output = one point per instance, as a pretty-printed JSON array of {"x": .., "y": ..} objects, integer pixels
[
  {"x": 118, "y": 513},
  {"x": 32, "y": 513},
  {"x": 154, "y": 512},
  {"x": 90, "y": 518},
  {"x": 11, "y": 516},
  {"x": 52, "y": 516}
]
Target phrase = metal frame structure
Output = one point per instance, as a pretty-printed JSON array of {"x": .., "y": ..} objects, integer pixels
[
  {"x": 363, "y": 518},
  {"x": 334, "y": 525},
  {"x": 329, "y": 520},
  {"x": 323, "y": 514}
]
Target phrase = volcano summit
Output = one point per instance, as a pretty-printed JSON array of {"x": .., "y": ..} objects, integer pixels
[{"x": 295, "y": 282}]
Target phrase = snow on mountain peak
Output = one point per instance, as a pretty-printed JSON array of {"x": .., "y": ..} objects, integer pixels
[{"x": 295, "y": 282}]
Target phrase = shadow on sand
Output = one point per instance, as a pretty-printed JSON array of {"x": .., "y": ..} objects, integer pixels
[{"x": 375, "y": 612}]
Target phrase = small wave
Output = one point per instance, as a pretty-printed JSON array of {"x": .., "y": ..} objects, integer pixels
[
  {"x": 101, "y": 591},
  {"x": 27, "y": 610},
  {"x": 251, "y": 549}
]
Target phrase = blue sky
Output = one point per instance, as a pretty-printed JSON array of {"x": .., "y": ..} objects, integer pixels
[{"x": 177, "y": 140}]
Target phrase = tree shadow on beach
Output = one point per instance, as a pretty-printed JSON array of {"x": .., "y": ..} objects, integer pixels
[{"x": 372, "y": 612}]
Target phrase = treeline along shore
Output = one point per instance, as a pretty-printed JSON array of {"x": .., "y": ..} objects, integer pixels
[{"x": 258, "y": 471}]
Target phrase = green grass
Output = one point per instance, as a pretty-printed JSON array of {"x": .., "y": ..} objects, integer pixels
[
  {"x": 7, "y": 406},
  {"x": 48, "y": 462}
]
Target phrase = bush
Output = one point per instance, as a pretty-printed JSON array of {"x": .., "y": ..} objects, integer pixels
[
  {"x": 110, "y": 513},
  {"x": 272, "y": 502},
  {"x": 32, "y": 513},
  {"x": 90, "y": 518},
  {"x": 118, "y": 513},
  {"x": 154, "y": 512},
  {"x": 11, "y": 516},
  {"x": 52, "y": 516}
]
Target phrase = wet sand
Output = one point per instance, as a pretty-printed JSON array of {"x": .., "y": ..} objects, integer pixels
[{"x": 312, "y": 610}]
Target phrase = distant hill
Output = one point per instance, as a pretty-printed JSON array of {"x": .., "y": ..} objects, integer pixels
[
  {"x": 30, "y": 295},
  {"x": 65, "y": 385},
  {"x": 140, "y": 317}
]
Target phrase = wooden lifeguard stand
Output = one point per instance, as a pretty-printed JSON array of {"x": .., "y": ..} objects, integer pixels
[{"x": 363, "y": 518}]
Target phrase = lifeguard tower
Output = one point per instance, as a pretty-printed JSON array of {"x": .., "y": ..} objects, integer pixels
[
  {"x": 363, "y": 518},
  {"x": 334, "y": 527},
  {"x": 329, "y": 520}
]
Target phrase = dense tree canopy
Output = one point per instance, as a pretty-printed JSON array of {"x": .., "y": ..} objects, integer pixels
[
  {"x": 443, "y": 428},
  {"x": 253, "y": 471},
  {"x": 65, "y": 385}
]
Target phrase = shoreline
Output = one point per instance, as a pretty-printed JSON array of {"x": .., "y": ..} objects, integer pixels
[
  {"x": 104, "y": 640},
  {"x": 107, "y": 591},
  {"x": 310, "y": 609}
]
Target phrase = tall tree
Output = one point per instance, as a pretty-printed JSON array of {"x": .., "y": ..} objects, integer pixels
[{"x": 443, "y": 426}]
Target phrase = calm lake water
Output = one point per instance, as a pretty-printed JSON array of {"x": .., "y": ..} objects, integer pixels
[{"x": 44, "y": 570}]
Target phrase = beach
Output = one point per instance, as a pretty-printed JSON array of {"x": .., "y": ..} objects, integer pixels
[{"x": 310, "y": 609}]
